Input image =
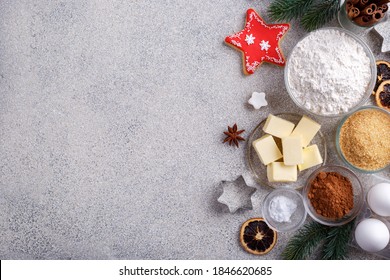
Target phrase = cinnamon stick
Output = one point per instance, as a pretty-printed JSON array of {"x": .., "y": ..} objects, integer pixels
[
  {"x": 353, "y": 12},
  {"x": 377, "y": 16},
  {"x": 369, "y": 20},
  {"x": 361, "y": 4},
  {"x": 368, "y": 10},
  {"x": 383, "y": 8},
  {"x": 349, "y": 5},
  {"x": 364, "y": 20}
]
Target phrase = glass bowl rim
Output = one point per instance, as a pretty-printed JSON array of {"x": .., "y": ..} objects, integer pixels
[{"x": 370, "y": 86}]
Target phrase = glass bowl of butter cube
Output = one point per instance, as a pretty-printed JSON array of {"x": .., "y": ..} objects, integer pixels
[{"x": 284, "y": 149}]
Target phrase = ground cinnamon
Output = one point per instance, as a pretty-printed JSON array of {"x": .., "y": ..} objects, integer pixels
[{"x": 331, "y": 195}]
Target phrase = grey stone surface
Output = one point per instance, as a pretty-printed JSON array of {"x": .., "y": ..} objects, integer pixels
[{"x": 111, "y": 125}]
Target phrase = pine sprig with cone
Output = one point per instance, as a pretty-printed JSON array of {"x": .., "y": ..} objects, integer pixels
[{"x": 311, "y": 13}]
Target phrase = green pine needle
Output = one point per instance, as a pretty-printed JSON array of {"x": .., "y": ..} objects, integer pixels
[
  {"x": 312, "y": 13},
  {"x": 281, "y": 10},
  {"x": 319, "y": 14},
  {"x": 332, "y": 242},
  {"x": 335, "y": 246},
  {"x": 308, "y": 238}
]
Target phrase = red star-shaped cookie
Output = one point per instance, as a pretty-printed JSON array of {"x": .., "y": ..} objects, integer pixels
[{"x": 258, "y": 42}]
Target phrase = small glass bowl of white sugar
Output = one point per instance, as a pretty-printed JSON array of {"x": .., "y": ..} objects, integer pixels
[
  {"x": 330, "y": 72},
  {"x": 284, "y": 210}
]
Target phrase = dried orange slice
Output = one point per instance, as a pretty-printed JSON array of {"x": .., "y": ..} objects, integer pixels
[
  {"x": 382, "y": 95},
  {"x": 257, "y": 237},
  {"x": 383, "y": 73}
]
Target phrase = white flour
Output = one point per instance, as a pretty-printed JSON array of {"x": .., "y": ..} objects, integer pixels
[{"x": 329, "y": 72}]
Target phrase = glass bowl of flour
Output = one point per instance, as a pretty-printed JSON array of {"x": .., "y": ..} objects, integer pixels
[{"x": 330, "y": 72}]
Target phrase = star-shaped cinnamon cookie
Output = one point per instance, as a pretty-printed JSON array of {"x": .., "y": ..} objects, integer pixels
[{"x": 259, "y": 42}]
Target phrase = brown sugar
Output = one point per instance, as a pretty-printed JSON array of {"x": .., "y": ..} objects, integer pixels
[
  {"x": 331, "y": 195},
  {"x": 365, "y": 139}
]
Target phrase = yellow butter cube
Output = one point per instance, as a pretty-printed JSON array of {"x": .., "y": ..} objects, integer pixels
[
  {"x": 311, "y": 157},
  {"x": 279, "y": 172},
  {"x": 277, "y": 126},
  {"x": 266, "y": 149},
  {"x": 307, "y": 129},
  {"x": 292, "y": 150}
]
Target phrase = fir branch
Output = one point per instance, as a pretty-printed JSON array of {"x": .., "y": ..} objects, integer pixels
[
  {"x": 335, "y": 246},
  {"x": 308, "y": 238},
  {"x": 319, "y": 14},
  {"x": 281, "y": 10}
]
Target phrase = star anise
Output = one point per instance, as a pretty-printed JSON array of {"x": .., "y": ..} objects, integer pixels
[{"x": 233, "y": 136}]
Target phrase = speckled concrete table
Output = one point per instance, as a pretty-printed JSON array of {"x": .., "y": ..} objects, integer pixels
[{"x": 111, "y": 120}]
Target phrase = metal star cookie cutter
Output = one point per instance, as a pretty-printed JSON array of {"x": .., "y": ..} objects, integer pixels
[
  {"x": 236, "y": 194},
  {"x": 383, "y": 30}
]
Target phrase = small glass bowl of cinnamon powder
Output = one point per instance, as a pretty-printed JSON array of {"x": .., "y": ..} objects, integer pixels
[
  {"x": 363, "y": 139},
  {"x": 333, "y": 195}
]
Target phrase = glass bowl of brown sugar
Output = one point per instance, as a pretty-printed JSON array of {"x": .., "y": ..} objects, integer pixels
[
  {"x": 333, "y": 195},
  {"x": 363, "y": 139}
]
